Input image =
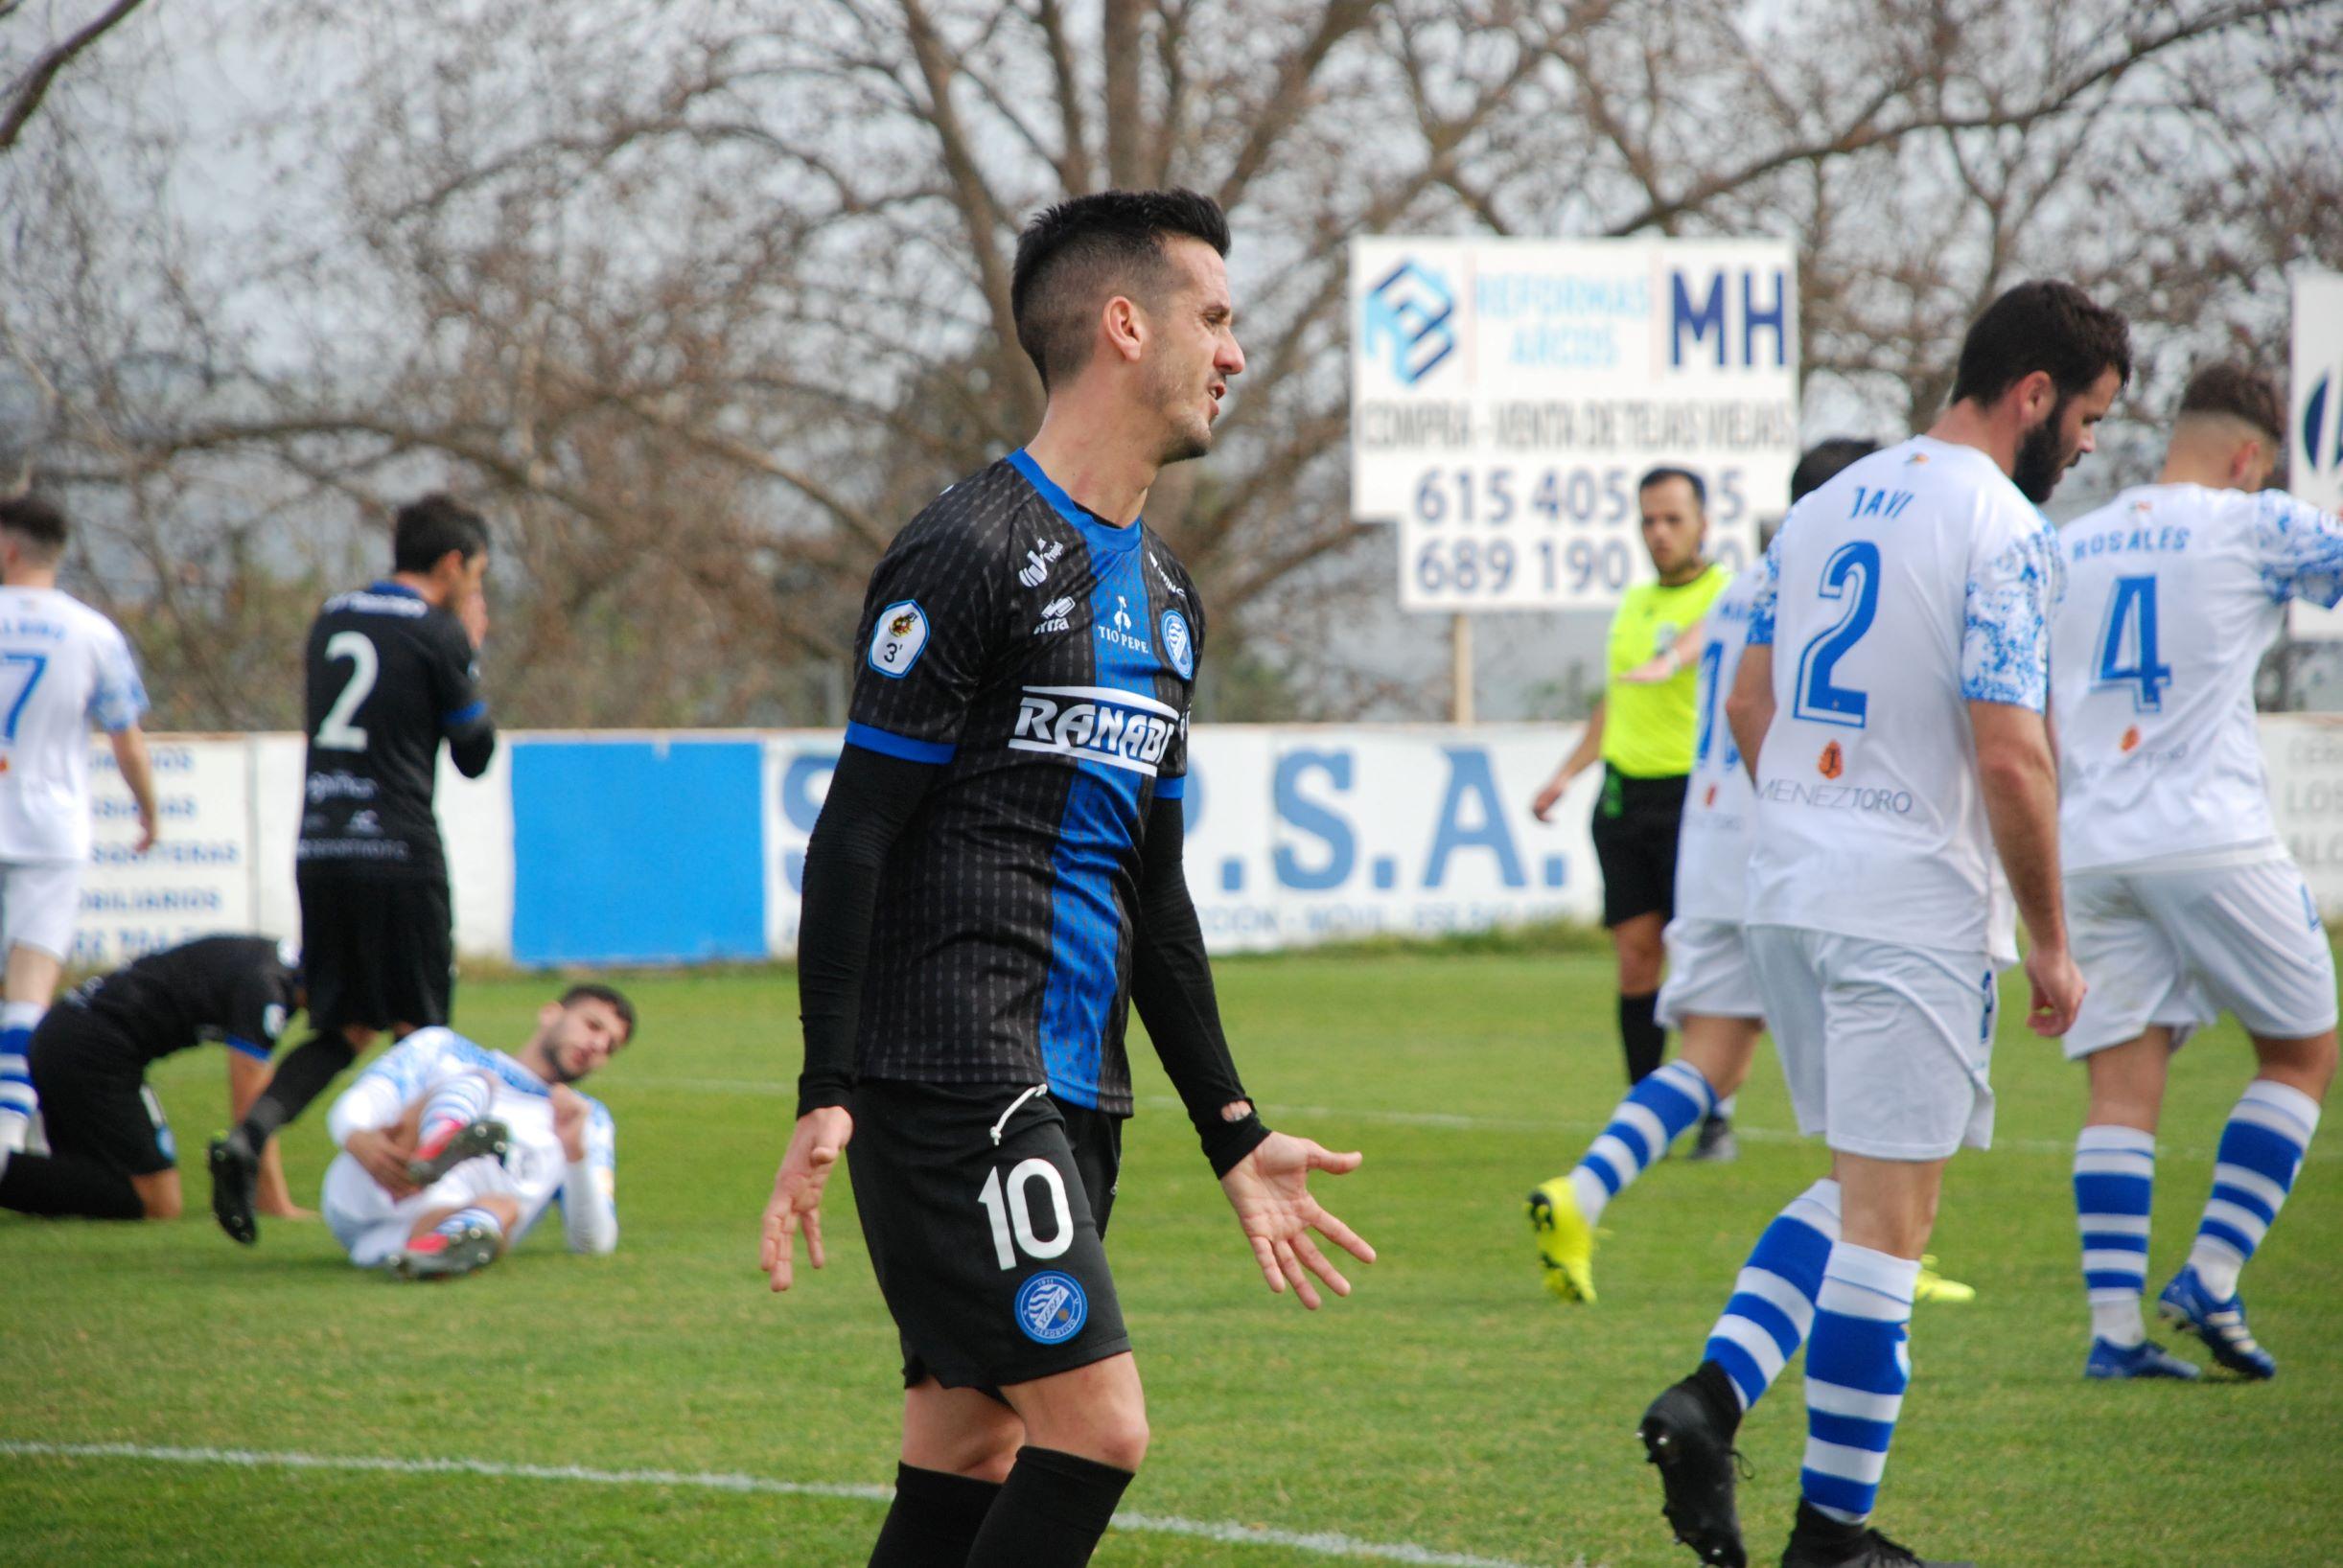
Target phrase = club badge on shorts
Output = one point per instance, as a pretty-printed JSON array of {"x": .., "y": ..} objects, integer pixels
[{"x": 1051, "y": 1309}]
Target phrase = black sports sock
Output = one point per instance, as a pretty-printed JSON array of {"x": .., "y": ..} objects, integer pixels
[
  {"x": 934, "y": 1520},
  {"x": 66, "y": 1184},
  {"x": 300, "y": 1077},
  {"x": 1640, "y": 1035},
  {"x": 1716, "y": 1388},
  {"x": 1050, "y": 1513}
]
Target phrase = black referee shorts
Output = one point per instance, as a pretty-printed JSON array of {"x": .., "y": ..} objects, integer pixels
[
  {"x": 94, "y": 1098},
  {"x": 1635, "y": 820},
  {"x": 376, "y": 950},
  {"x": 986, "y": 1226}
]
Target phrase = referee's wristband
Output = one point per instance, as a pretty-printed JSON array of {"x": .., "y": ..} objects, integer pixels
[{"x": 1227, "y": 1143}]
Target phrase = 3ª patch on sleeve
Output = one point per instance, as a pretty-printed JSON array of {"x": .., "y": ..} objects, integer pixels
[{"x": 898, "y": 638}]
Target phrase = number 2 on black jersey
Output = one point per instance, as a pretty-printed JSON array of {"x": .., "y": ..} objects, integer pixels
[{"x": 336, "y": 733}]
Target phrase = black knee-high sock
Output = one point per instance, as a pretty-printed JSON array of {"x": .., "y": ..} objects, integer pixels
[
  {"x": 1050, "y": 1513},
  {"x": 67, "y": 1184},
  {"x": 1640, "y": 1035},
  {"x": 934, "y": 1520},
  {"x": 300, "y": 1077}
]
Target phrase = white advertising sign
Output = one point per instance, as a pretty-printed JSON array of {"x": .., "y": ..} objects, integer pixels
[
  {"x": 198, "y": 877},
  {"x": 1507, "y": 394},
  {"x": 2314, "y": 423}
]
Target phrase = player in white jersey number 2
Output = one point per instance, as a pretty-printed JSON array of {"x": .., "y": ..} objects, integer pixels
[
  {"x": 62, "y": 665},
  {"x": 1892, "y": 701},
  {"x": 1710, "y": 997},
  {"x": 2182, "y": 898},
  {"x": 450, "y": 1152}
]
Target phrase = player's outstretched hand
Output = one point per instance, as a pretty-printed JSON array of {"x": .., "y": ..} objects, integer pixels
[
  {"x": 1269, "y": 1189},
  {"x": 814, "y": 1147},
  {"x": 2058, "y": 987}
]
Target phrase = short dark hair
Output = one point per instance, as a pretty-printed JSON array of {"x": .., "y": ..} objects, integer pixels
[
  {"x": 39, "y": 521},
  {"x": 1662, "y": 475},
  {"x": 428, "y": 528},
  {"x": 2240, "y": 392},
  {"x": 1072, "y": 257},
  {"x": 596, "y": 991},
  {"x": 1820, "y": 463},
  {"x": 2044, "y": 325}
]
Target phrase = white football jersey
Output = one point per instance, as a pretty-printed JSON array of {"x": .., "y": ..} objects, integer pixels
[
  {"x": 2174, "y": 594},
  {"x": 1712, "y": 848},
  {"x": 62, "y": 666},
  {"x": 1916, "y": 582},
  {"x": 536, "y": 1169}
]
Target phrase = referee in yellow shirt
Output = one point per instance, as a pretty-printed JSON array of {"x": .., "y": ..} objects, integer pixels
[{"x": 1642, "y": 733}]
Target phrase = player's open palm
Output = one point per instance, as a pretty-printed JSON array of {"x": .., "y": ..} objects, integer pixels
[
  {"x": 1269, "y": 1189},
  {"x": 814, "y": 1147}
]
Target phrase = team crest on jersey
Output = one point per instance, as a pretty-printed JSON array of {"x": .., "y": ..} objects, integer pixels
[
  {"x": 1177, "y": 648},
  {"x": 1056, "y": 616},
  {"x": 1833, "y": 761},
  {"x": 1051, "y": 1309},
  {"x": 898, "y": 638},
  {"x": 1096, "y": 724}
]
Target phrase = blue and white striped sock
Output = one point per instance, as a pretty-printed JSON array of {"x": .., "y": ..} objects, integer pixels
[
  {"x": 456, "y": 1224},
  {"x": 1646, "y": 1123},
  {"x": 2253, "y": 1170},
  {"x": 2115, "y": 1185},
  {"x": 460, "y": 1101},
  {"x": 1772, "y": 1307},
  {"x": 17, "y": 1100},
  {"x": 1857, "y": 1369}
]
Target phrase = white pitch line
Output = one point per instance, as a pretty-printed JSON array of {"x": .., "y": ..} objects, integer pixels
[
  {"x": 1455, "y": 1121},
  {"x": 1322, "y": 1543}
]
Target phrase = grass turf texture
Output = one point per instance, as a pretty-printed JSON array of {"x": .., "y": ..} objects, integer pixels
[{"x": 1450, "y": 1404}]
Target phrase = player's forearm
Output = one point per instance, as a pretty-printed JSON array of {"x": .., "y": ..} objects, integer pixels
[
  {"x": 1749, "y": 708},
  {"x": 137, "y": 768},
  {"x": 589, "y": 1218},
  {"x": 1588, "y": 749},
  {"x": 367, "y": 1106},
  {"x": 2019, "y": 777},
  {"x": 871, "y": 800}
]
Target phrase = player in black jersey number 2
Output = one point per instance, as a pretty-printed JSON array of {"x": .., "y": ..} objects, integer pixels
[{"x": 995, "y": 878}]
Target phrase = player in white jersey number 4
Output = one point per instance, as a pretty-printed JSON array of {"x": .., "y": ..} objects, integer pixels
[
  {"x": 450, "y": 1152},
  {"x": 1892, "y": 701},
  {"x": 62, "y": 666},
  {"x": 2182, "y": 898}
]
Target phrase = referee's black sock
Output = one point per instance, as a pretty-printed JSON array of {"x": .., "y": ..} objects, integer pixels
[
  {"x": 1644, "y": 1041},
  {"x": 934, "y": 1520},
  {"x": 53, "y": 1184},
  {"x": 299, "y": 1078},
  {"x": 1050, "y": 1513}
]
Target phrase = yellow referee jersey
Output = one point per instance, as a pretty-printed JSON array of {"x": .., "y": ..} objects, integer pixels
[{"x": 1647, "y": 729}]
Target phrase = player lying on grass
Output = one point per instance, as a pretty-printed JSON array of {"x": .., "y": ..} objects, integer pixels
[
  {"x": 2182, "y": 898},
  {"x": 450, "y": 1152},
  {"x": 110, "y": 1153}
]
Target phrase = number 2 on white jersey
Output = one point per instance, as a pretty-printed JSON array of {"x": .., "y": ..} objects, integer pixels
[
  {"x": 338, "y": 733},
  {"x": 1816, "y": 696},
  {"x": 2128, "y": 644}
]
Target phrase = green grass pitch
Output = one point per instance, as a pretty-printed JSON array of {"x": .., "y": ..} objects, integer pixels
[{"x": 1449, "y": 1406}]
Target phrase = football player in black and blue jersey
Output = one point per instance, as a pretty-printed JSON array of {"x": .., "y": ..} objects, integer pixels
[{"x": 996, "y": 877}]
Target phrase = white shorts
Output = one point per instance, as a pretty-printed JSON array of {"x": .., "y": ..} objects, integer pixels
[
  {"x": 1709, "y": 973},
  {"x": 38, "y": 903},
  {"x": 2173, "y": 946},
  {"x": 372, "y": 1226},
  {"x": 1887, "y": 1049}
]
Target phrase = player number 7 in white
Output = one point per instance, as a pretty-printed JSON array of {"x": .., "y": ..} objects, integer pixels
[
  {"x": 338, "y": 733},
  {"x": 1015, "y": 1214}
]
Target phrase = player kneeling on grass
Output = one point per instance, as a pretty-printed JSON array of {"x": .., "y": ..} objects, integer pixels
[
  {"x": 450, "y": 1152},
  {"x": 110, "y": 1153}
]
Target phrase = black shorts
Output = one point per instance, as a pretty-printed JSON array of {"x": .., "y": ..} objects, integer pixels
[
  {"x": 376, "y": 950},
  {"x": 1635, "y": 842},
  {"x": 989, "y": 1254},
  {"x": 94, "y": 1098}
]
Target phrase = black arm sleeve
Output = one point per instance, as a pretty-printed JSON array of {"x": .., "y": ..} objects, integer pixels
[
  {"x": 1172, "y": 983},
  {"x": 456, "y": 687},
  {"x": 870, "y": 801},
  {"x": 471, "y": 748}
]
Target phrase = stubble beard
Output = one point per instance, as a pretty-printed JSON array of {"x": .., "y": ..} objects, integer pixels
[{"x": 2040, "y": 462}]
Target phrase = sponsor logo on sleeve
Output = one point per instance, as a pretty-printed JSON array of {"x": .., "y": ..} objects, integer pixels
[
  {"x": 898, "y": 638},
  {"x": 1177, "y": 648},
  {"x": 1051, "y": 1308},
  {"x": 1095, "y": 724}
]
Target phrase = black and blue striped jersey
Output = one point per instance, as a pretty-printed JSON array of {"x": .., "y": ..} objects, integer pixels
[{"x": 1044, "y": 658}]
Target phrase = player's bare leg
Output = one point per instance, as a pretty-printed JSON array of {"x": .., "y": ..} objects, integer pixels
[
  {"x": 1085, "y": 1432},
  {"x": 159, "y": 1194},
  {"x": 957, "y": 1447},
  {"x": 458, "y": 1238},
  {"x": 2260, "y": 1151},
  {"x": 29, "y": 982}
]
